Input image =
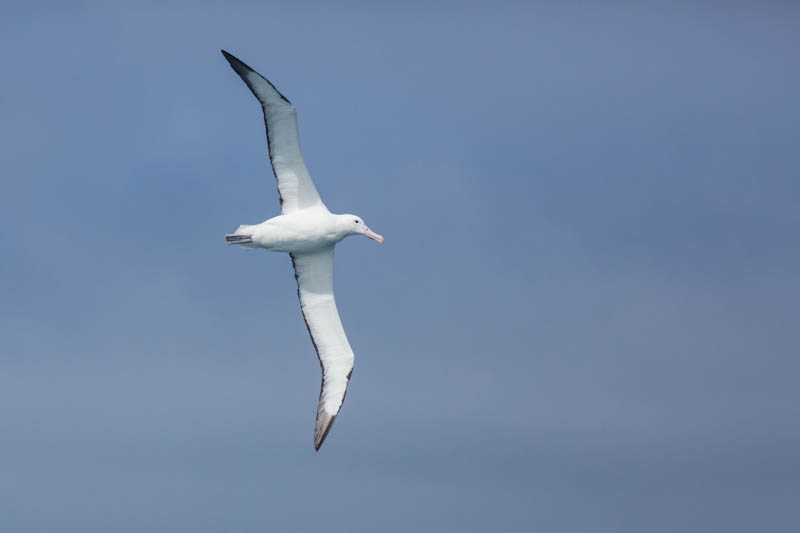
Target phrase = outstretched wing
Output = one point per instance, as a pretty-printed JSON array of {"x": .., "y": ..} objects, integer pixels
[
  {"x": 314, "y": 274},
  {"x": 295, "y": 188}
]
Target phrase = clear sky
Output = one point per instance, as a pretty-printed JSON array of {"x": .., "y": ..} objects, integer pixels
[{"x": 584, "y": 318}]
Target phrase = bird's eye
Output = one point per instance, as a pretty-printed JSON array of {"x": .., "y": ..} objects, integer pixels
[{"x": 358, "y": 222}]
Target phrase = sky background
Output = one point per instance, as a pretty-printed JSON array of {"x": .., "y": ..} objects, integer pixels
[{"x": 584, "y": 318}]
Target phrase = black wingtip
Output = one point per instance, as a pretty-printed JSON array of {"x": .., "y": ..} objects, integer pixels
[
  {"x": 322, "y": 428},
  {"x": 235, "y": 62},
  {"x": 242, "y": 68},
  {"x": 230, "y": 57}
]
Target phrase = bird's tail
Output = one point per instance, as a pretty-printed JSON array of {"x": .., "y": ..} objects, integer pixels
[
  {"x": 238, "y": 239},
  {"x": 241, "y": 237}
]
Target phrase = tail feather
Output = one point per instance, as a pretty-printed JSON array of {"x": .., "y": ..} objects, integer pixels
[
  {"x": 241, "y": 236},
  {"x": 236, "y": 238}
]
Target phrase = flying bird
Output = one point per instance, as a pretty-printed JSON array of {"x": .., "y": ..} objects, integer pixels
[{"x": 308, "y": 232}]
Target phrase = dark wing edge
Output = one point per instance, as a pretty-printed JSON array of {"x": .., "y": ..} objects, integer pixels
[
  {"x": 243, "y": 69},
  {"x": 324, "y": 421}
]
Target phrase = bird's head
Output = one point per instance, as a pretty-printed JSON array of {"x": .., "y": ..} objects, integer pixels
[{"x": 354, "y": 225}]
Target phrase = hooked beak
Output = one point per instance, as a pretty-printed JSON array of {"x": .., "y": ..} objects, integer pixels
[{"x": 372, "y": 235}]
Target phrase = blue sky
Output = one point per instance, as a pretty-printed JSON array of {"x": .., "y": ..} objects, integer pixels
[{"x": 584, "y": 318}]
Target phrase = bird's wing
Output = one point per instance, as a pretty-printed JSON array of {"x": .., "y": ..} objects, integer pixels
[
  {"x": 295, "y": 188},
  {"x": 314, "y": 274}
]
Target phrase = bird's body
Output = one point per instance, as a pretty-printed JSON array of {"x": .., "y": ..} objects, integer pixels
[{"x": 308, "y": 231}]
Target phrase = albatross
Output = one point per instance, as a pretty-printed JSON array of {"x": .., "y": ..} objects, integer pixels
[{"x": 308, "y": 232}]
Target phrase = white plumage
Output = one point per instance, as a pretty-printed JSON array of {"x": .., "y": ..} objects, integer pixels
[{"x": 308, "y": 232}]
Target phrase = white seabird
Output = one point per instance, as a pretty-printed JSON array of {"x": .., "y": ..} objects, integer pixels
[{"x": 308, "y": 232}]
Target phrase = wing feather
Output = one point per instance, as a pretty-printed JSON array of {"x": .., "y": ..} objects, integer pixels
[
  {"x": 314, "y": 274},
  {"x": 295, "y": 188}
]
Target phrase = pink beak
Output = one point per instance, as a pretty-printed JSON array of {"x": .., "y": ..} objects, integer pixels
[{"x": 372, "y": 235}]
